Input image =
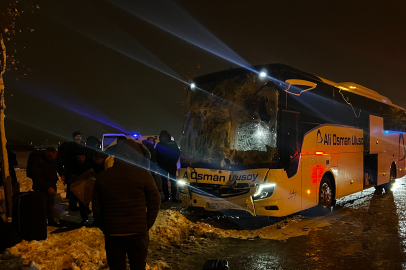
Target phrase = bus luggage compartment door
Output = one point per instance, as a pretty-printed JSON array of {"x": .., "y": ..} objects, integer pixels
[{"x": 310, "y": 174}]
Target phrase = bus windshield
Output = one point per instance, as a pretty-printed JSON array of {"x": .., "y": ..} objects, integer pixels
[{"x": 230, "y": 121}]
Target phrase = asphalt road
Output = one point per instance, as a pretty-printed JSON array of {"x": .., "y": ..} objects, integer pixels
[{"x": 364, "y": 231}]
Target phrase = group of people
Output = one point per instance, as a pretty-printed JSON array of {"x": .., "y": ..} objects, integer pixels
[
  {"x": 71, "y": 160},
  {"x": 163, "y": 164},
  {"x": 126, "y": 196}
]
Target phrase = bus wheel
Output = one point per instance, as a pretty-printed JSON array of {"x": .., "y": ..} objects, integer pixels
[{"x": 326, "y": 199}]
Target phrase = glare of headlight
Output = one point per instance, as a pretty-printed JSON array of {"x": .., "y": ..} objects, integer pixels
[
  {"x": 261, "y": 187},
  {"x": 262, "y": 74},
  {"x": 181, "y": 183},
  {"x": 192, "y": 86}
]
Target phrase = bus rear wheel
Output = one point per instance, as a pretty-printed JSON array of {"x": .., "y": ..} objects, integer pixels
[{"x": 326, "y": 196}]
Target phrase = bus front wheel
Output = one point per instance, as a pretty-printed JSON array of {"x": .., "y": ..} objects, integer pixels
[{"x": 326, "y": 198}]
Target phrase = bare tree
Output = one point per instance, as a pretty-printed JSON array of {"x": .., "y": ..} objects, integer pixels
[{"x": 9, "y": 17}]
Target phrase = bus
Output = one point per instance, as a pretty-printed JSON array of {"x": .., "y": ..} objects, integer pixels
[{"x": 273, "y": 140}]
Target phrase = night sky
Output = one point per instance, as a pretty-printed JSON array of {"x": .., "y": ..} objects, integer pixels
[{"x": 85, "y": 74}]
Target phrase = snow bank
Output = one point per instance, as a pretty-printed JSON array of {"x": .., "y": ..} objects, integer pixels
[
  {"x": 84, "y": 248},
  {"x": 81, "y": 249},
  {"x": 173, "y": 228}
]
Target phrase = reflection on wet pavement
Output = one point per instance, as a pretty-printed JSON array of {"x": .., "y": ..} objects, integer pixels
[
  {"x": 399, "y": 192},
  {"x": 364, "y": 231}
]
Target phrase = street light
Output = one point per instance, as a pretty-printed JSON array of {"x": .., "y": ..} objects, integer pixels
[{"x": 262, "y": 74}]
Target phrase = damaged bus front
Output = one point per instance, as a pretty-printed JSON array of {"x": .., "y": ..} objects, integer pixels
[
  {"x": 230, "y": 143},
  {"x": 274, "y": 140}
]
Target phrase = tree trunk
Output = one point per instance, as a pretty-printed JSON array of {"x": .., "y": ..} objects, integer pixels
[{"x": 4, "y": 157}]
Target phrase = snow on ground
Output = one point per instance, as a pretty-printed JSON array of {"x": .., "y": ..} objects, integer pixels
[
  {"x": 83, "y": 248},
  {"x": 77, "y": 249}
]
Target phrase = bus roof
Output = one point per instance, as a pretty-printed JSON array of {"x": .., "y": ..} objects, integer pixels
[
  {"x": 361, "y": 90},
  {"x": 211, "y": 78}
]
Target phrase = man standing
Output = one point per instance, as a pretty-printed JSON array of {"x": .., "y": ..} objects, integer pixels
[
  {"x": 167, "y": 154},
  {"x": 82, "y": 165},
  {"x": 150, "y": 145},
  {"x": 68, "y": 152},
  {"x": 125, "y": 205},
  {"x": 44, "y": 177}
]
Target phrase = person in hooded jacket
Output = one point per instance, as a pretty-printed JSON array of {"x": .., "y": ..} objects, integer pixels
[
  {"x": 167, "y": 154},
  {"x": 92, "y": 146},
  {"x": 125, "y": 206},
  {"x": 46, "y": 166},
  {"x": 93, "y": 142}
]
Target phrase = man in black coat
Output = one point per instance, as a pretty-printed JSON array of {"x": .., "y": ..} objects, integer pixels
[
  {"x": 167, "y": 154},
  {"x": 68, "y": 151},
  {"x": 125, "y": 205},
  {"x": 44, "y": 178},
  {"x": 99, "y": 160},
  {"x": 83, "y": 164},
  {"x": 154, "y": 169}
]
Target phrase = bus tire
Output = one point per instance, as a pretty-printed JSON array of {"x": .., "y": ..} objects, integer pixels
[
  {"x": 392, "y": 177},
  {"x": 326, "y": 196}
]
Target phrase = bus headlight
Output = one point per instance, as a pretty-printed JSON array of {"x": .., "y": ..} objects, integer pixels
[
  {"x": 264, "y": 191},
  {"x": 182, "y": 184}
]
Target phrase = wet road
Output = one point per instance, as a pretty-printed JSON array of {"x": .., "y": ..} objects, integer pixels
[{"x": 365, "y": 231}]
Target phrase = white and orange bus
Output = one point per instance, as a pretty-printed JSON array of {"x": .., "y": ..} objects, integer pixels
[{"x": 273, "y": 140}]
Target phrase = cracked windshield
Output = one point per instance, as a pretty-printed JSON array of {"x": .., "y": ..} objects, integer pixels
[{"x": 236, "y": 122}]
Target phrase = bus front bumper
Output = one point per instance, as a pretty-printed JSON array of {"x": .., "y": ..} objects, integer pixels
[{"x": 209, "y": 203}]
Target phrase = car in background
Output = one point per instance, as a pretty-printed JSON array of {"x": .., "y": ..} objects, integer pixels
[{"x": 110, "y": 139}]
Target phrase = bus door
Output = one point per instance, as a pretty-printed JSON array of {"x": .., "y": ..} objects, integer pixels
[{"x": 291, "y": 153}]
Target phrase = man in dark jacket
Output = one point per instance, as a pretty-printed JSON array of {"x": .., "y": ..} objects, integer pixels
[
  {"x": 150, "y": 145},
  {"x": 125, "y": 206},
  {"x": 167, "y": 154},
  {"x": 44, "y": 169},
  {"x": 92, "y": 146},
  {"x": 83, "y": 164},
  {"x": 99, "y": 161},
  {"x": 68, "y": 151}
]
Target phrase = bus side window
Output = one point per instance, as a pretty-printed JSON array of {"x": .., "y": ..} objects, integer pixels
[{"x": 290, "y": 136}]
